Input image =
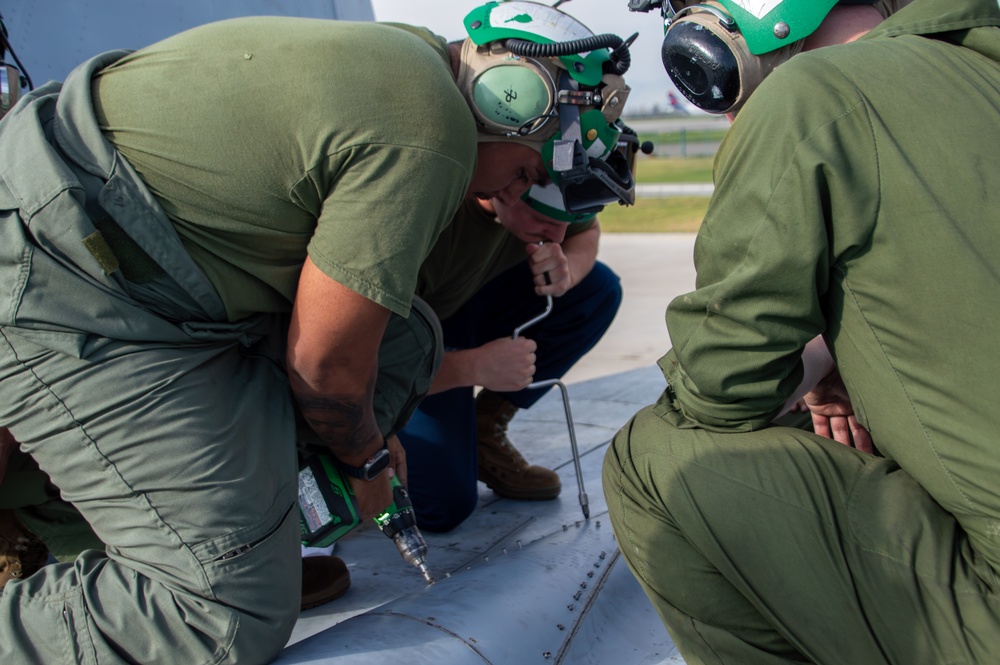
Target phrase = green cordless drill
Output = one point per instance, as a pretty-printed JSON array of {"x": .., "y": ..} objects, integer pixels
[{"x": 328, "y": 511}]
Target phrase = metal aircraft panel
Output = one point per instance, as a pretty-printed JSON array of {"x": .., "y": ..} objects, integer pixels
[{"x": 519, "y": 581}]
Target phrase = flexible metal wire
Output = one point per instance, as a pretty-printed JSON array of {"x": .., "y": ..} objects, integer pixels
[{"x": 581, "y": 491}]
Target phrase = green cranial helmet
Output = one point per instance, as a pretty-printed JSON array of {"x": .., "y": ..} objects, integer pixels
[
  {"x": 531, "y": 74},
  {"x": 768, "y": 25}
]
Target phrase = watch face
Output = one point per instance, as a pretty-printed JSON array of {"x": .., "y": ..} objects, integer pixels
[{"x": 376, "y": 464}]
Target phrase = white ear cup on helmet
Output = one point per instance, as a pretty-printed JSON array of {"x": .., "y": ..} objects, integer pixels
[{"x": 510, "y": 96}]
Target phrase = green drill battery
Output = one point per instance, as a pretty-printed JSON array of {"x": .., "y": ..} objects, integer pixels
[{"x": 327, "y": 507}]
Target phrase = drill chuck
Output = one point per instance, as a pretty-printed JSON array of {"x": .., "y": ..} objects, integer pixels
[
  {"x": 400, "y": 524},
  {"x": 413, "y": 549}
]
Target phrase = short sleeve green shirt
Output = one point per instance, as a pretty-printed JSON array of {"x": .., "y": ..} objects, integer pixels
[{"x": 269, "y": 139}]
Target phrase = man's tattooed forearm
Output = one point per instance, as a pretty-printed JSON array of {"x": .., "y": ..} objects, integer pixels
[{"x": 340, "y": 424}]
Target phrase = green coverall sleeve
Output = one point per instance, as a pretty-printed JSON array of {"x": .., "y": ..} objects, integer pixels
[{"x": 784, "y": 175}]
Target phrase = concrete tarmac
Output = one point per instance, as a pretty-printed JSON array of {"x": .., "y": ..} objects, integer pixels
[{"x": 654, "y": 269}]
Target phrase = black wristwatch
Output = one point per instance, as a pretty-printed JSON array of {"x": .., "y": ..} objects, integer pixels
[{"x": 373, "y": 466}]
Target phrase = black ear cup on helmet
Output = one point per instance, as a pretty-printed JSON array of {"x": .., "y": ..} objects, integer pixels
[{"x": 702, "y": 66}]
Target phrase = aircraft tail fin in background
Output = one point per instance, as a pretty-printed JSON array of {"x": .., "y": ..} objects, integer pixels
[{"x": 676, "y": 106}]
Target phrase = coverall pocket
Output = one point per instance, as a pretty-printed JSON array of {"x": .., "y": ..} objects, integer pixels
[
  {"x": 259, "y": 567},
  {"x": 262, "y": 580}
]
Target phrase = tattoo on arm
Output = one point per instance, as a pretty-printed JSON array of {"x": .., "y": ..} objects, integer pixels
[{"x": 341, "y": 424}]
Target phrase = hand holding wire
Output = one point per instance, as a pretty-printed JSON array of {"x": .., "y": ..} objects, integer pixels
[{"x": 550, "y": 269}]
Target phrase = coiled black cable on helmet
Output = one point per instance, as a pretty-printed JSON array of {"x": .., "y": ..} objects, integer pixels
[{"x": 620, "y": 59}]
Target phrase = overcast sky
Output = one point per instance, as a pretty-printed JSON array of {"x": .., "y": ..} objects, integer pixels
[{"x": 646, "y": 77}]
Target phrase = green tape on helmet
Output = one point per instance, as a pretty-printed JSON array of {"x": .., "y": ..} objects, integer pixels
[{"x": 768, "y": 25}]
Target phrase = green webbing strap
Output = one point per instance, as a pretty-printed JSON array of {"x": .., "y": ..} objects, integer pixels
[
  {"x": 100, "y": 250},
  {"x": 114, "y": 249}
]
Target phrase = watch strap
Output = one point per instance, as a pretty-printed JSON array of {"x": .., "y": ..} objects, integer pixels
[{"x": 363, "y": 472}]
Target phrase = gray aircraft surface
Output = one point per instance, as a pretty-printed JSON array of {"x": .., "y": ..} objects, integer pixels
[{"x": 518, "y": 582}]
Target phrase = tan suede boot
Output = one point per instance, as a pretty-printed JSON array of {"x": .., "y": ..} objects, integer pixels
[
  {"x": 501, "y": 467},
  {"x": 21, "y": 552}
]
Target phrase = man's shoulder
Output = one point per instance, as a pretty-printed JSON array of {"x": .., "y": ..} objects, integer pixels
[{"x": 828, "y": 81}]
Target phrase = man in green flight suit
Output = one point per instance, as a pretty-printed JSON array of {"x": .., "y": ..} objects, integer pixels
[
  {"x": 850, "y": 254},
  {"x": 197, "y": 240}
]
